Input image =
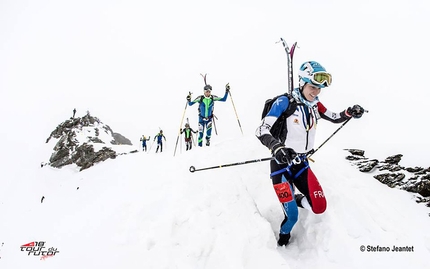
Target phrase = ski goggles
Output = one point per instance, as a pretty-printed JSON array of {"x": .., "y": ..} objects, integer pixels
[{"x": 321, "y": 78}]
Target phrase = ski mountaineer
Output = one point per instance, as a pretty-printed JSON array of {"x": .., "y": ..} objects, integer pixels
[
  {"x": 144, "y": 139},
  {"x": 206, "y": 108},
  {"x": 290, "y": 166},
  {"x": 188, "y": 136},
  {"x": 159, "y": 138}
]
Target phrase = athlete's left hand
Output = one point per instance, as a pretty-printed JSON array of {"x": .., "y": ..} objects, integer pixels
[{"x": 356, "y": 111}]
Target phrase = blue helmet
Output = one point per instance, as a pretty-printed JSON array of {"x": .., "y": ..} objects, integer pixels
[{"x": 315, "y": 74}]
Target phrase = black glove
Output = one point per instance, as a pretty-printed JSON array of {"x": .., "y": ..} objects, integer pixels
[
  {"x": 227, "y": 87},
  {"x": 356, "y": 111},
  {"x": 282, "y": 154},
  {"x": 188, "y": 97}
]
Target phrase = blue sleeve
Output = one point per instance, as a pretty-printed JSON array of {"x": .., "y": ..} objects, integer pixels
[
  {"x": 279, "y": 106},
  {"x": 197, "y": 100},
  {"x": 223, "y": 99}
]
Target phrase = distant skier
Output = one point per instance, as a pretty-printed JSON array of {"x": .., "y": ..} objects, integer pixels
[
  {"x": 188, "y": 136},
  {"x": 159, "y": 138},
  {"x": 144, "y": 139},
  {"x": 290, "y": 165},
  {"x": 206, "y": 108},
  {"x": 74, "y": 112}
]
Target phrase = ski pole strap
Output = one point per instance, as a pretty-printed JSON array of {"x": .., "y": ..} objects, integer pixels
[{"x": 287, "y": 169}]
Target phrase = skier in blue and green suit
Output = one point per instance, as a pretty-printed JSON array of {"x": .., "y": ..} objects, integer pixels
[{"x": 206, "y": 108}]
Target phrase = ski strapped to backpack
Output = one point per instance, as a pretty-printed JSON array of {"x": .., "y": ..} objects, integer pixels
[
  {"x": 290, "y": 54},
  {"x": 279, "y": 127}
]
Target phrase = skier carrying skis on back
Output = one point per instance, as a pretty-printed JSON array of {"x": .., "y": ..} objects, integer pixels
[
  {"x": 206, "y": 107},
  {"x": 188, "y": 136},
  {"x": 159, "y": 138},
  {"x": 290, "y": 166},
  {"x": 144, "y": 139}
]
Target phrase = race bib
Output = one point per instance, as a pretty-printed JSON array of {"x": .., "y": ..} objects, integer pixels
[{"x": 283, "y": 190}]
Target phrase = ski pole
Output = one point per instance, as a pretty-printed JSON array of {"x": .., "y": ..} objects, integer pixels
[
  {"x": 151, "y": 146},
  {"x": 192, "y": 139},
  {"x": 213, "y": 123},
  {"x": 237, "y": 117},
  {"x": 179, "y": 131},
  {"x": 180, "y": 145},
  {"x": 193, "y": 169},
  {"x": 322, "y": 144},
  {"x": 295, "y": 161}
]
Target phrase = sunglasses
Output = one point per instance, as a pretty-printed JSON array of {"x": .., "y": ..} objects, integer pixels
[{"x": 321, "y": 78}]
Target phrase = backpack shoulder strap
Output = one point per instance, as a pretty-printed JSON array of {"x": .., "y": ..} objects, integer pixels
[{"x": 291, "y": 106}]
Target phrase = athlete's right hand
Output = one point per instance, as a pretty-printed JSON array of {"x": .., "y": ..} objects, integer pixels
[
  {"x": 282, "y": 154},
  {"x": 188, "y": 97}
]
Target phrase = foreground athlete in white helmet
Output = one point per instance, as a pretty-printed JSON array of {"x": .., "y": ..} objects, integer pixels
[{"x": 290, "y": 169}]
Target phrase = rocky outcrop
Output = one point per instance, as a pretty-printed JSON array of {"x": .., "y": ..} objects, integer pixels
[
  {"x": 85, "y": 141},
  {"x": 120, "y": 140},
  {"x": 391, "y": 173},
  {"x": 85, "y": 156}
]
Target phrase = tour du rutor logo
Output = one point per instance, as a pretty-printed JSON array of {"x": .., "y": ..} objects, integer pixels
[{"x": 37, "y": 248}]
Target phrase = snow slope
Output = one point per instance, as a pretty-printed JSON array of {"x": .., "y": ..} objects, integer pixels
[{"x": 146, "y": 210}]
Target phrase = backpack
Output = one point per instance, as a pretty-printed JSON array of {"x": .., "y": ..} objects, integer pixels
[{"x": 279, "y": 128}]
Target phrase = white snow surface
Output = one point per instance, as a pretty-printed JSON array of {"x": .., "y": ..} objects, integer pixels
[{"x": 146, "y": 210}]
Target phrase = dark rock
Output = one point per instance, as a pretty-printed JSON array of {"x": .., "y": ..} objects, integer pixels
[
  {"x": 424, "y": 188},
  {"x": 415, "y": 169},
  {"x": 85, "y": 156},
  {"x": 390, "y": 179},
  {"x": 390, "y": 167},
  {"x": 418, "y": 181},
  {"x": 394, "y": 159},
  {"x": 356, "y": 152},
  {"x": 354, "y": 158},
  {"x": 120, "y": 140},
  {"x": 95, "y": 140},
  {"x": 368, "y": 166}
]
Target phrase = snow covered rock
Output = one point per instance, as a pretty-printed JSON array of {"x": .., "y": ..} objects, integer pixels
[{"x": 85, "y": 141}]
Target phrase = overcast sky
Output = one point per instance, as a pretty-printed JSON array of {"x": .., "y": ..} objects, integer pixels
[{"x": 131, "y": 63}]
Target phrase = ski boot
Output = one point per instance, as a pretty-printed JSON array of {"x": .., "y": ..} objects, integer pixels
[
  {"x": 284, "y": 239},
  {"x": 299, "y": 197}
]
